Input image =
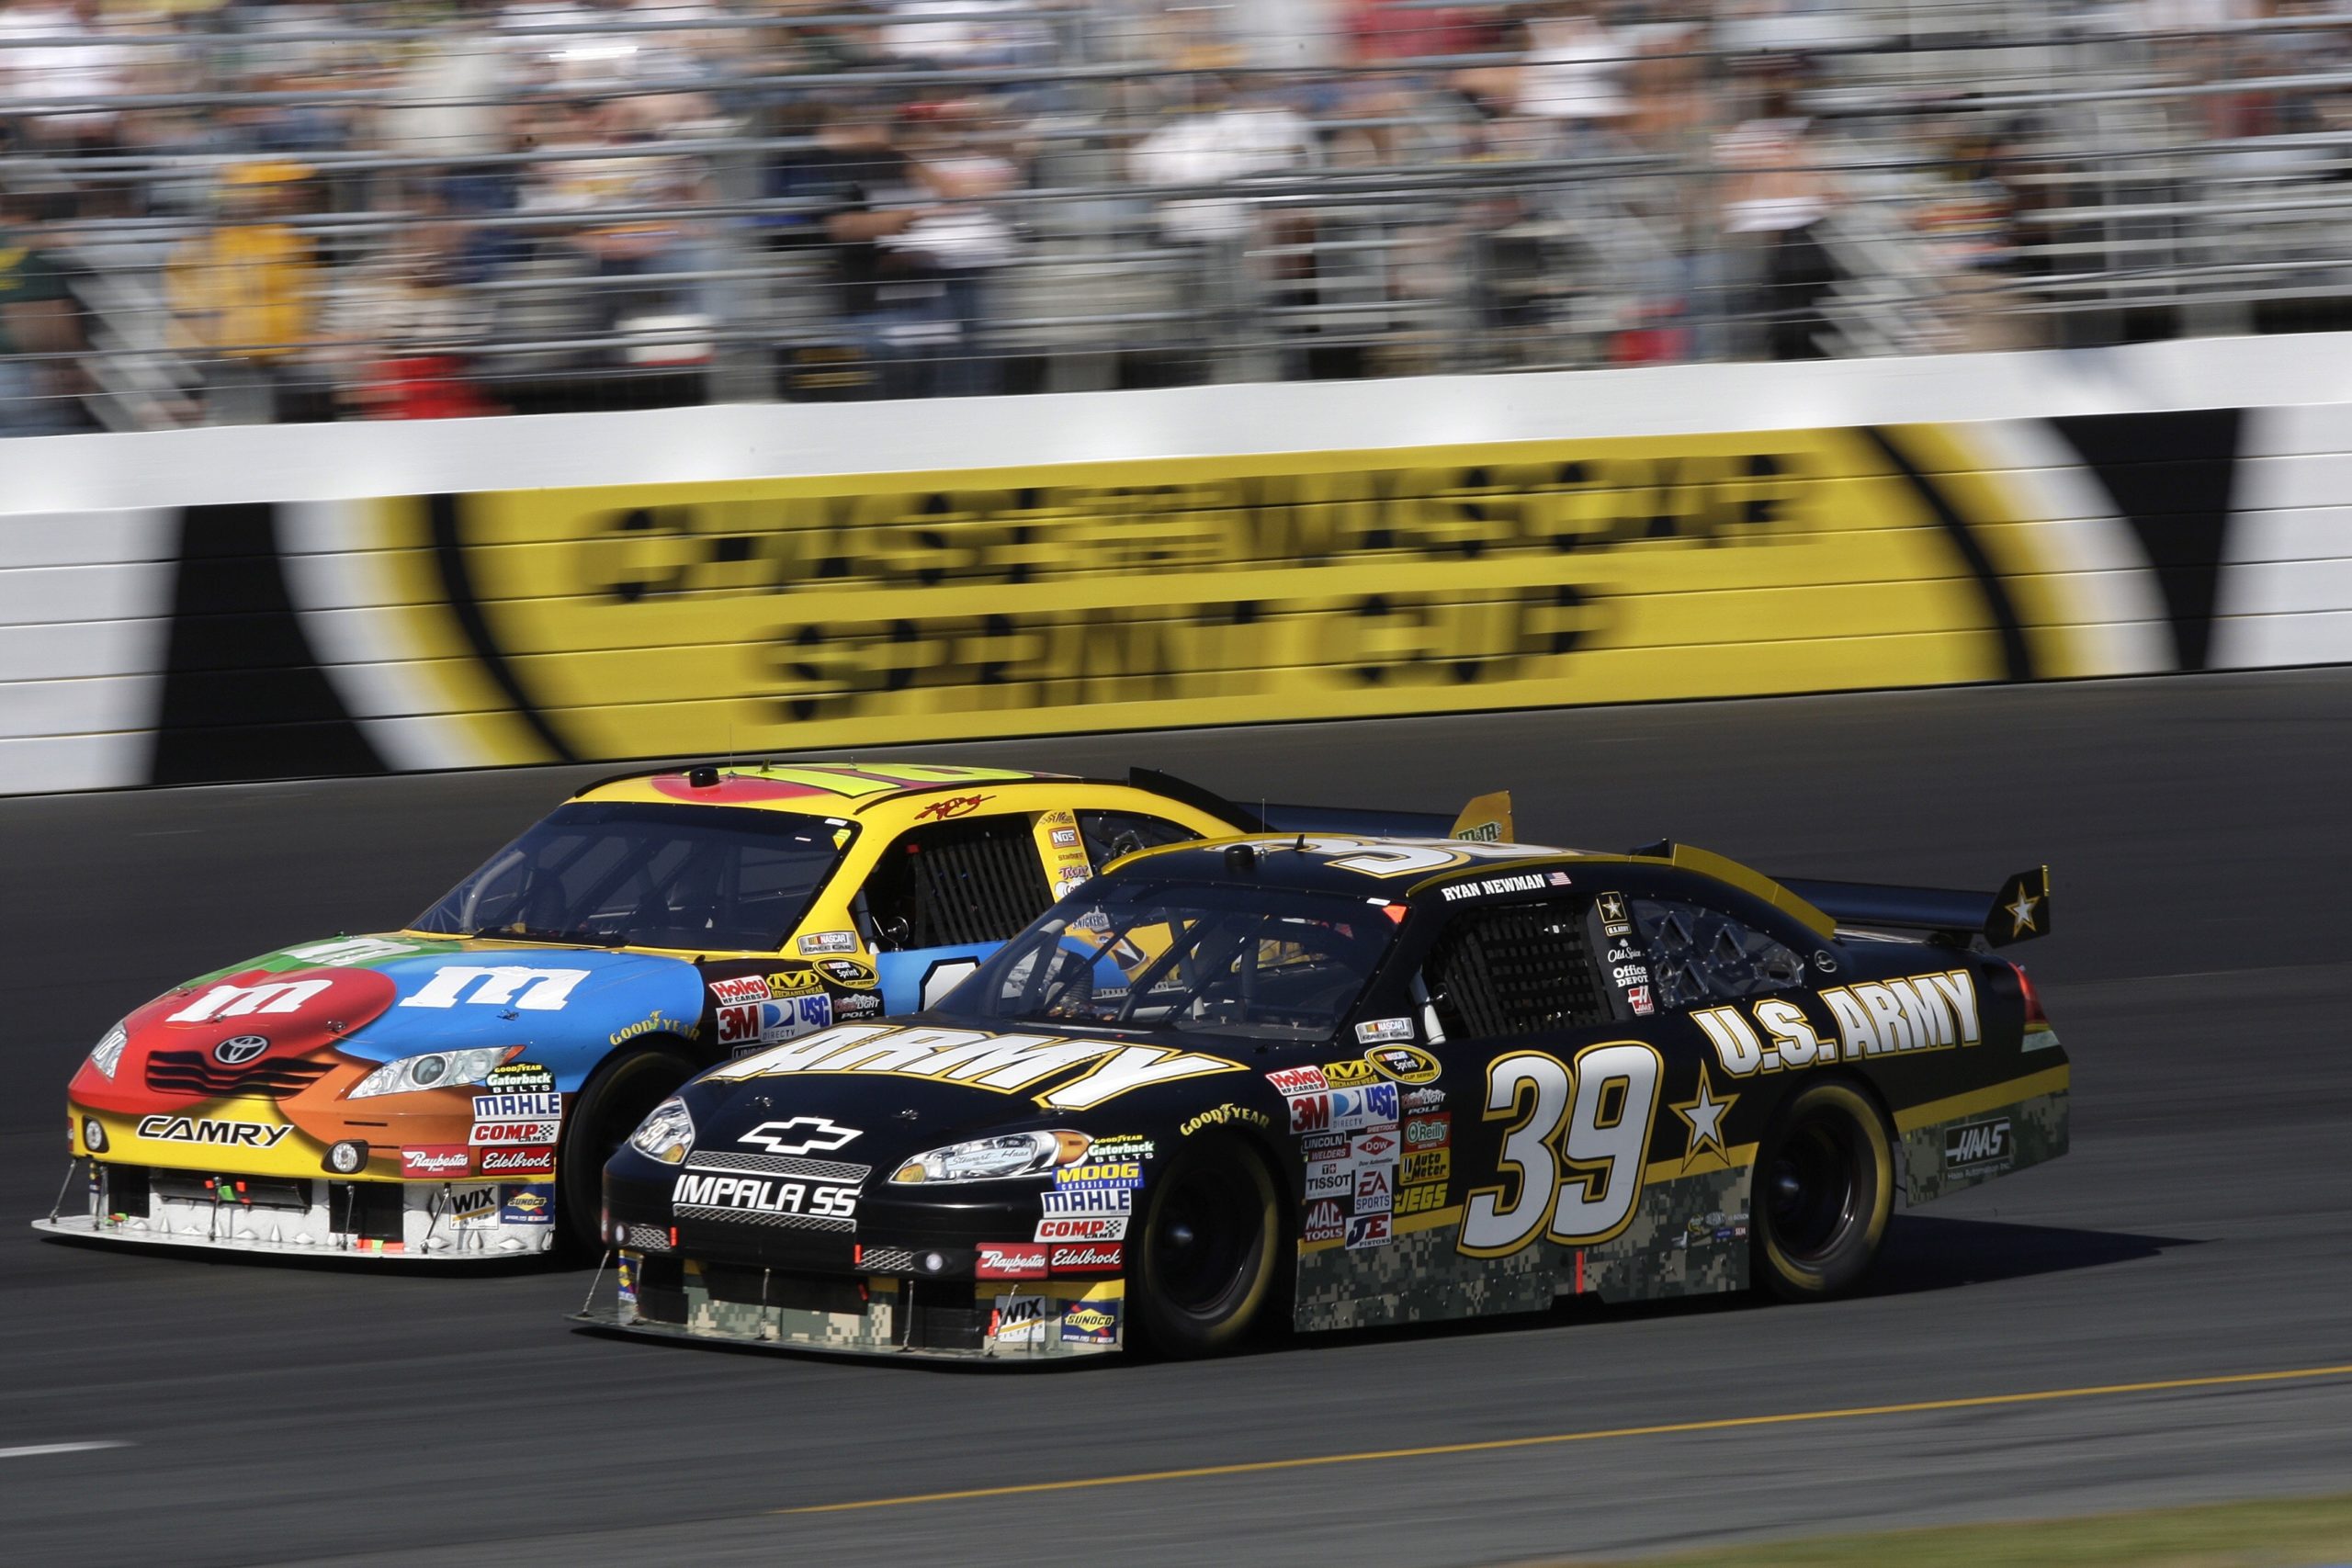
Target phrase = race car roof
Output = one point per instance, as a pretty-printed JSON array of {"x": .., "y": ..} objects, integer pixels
[
  {"x": 1406, "y": 868},
  {"x": 818, "y": 789}
]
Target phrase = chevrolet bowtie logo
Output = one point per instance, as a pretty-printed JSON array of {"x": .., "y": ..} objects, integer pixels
[{"x": 823, "y": 1136}]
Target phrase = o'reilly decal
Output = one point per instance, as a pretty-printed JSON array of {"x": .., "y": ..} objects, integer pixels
[{"x": 1978, "y": 1146}]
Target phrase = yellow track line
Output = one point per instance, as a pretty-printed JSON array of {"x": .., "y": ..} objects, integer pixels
[{"x": 1493, "y": 1445}]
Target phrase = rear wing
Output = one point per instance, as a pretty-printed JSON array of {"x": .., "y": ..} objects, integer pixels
[
  {"x": 2019, "y": 911},
  {"x": 1487, "y": 817}
]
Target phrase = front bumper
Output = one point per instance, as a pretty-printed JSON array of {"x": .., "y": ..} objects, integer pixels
[
  {"x": 414, "y": 1221},
  {"x": 872, "y": 1314}
]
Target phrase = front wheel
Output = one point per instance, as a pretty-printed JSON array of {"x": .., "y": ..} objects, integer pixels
[
  {"x": 1208, "y": 1261},
  {"x": 609, "y": 1106},
  {"x": 1825, "y": 1190}
]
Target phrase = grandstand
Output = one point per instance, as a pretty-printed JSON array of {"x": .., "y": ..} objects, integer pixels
[{"x": 244, "y": 212}]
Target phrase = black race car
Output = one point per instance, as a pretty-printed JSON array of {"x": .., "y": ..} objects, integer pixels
[{"x": 1333, "y": 1082}]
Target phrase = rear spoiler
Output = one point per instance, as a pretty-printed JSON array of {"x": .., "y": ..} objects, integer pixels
[
  {"x": 1487, "y": 817},
  {"x": 2019, "y": 911}
]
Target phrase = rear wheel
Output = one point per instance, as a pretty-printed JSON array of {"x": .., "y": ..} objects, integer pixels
[
  {"x": 1825, "y": 1190},
  {"x": 607, "y": 1109},
  {"x": 1209, "y": 1262}
]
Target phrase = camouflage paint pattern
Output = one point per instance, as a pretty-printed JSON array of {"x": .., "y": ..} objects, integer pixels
[
  {"x": 1688, "y": 1236},
  {"x": 2037, "y": 1132},
  {"x": 1419, "y": 1278},
  {"x": 873, "y": 1331}
]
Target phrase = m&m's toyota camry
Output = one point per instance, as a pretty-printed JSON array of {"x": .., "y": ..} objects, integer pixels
[
  {"x": 451, "y": 1089},
  {"x": 1330, "y": 1081}
]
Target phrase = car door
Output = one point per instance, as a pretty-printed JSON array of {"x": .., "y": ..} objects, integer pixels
[{"x": 1552, "y": 1099}]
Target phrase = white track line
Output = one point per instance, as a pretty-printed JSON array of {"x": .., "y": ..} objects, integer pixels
[{"x": 33, "y": 1450}]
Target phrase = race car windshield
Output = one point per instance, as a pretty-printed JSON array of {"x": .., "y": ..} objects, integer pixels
[
  {"x": 1259, "y": 964},
  {"x": 627, "y": 873}
]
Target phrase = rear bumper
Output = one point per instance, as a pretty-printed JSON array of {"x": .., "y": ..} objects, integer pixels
[
  {"x": 881, "y": 1315},
  {"x": 416, "y": 1221}
]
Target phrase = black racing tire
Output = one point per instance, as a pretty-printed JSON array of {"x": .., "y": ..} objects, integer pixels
[
  {"x": 1825, "y": 1190},
  {"x": 1207, "y": 1258},
  {"x": 607, "y": 1108}
]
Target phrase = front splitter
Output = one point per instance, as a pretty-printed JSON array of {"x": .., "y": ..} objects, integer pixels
[{"x": 83, "y": 1228}]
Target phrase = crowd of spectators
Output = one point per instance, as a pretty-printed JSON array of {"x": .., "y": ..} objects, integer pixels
[{"x": 276, "y": 209}]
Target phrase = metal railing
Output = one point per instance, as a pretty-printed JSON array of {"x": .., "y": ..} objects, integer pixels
[{"x": 219, "y": 217}]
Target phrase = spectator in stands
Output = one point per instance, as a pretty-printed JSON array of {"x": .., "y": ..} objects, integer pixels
[
  {"x": 1777, "y": 196},
  {"x": 243, "y": 296},
  {"x": 78, "y": 67},
  {"x": 398, "y": 329},
  {"x": 40, "y": 329},
  {"x": 895, "y": 223}
]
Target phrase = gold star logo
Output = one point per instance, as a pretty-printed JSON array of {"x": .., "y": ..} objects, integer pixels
[
  {"x": 2021, "y": 912},
  {"x": 1705, "y": 1114}
]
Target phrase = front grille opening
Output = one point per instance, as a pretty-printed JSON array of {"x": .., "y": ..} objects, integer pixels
[
  {"x": 747, "y": 1286},
  {"x": 662, "y": 1290},
  {"x": 127, "y": 1191},
  {"x": 942, "y": 1315},
  {"x": 370, "y": 1210},
  {"x": 195, "y": 1073}
]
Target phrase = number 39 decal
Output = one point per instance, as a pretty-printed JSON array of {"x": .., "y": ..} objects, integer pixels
[{"x": 1572, "y": 1156}]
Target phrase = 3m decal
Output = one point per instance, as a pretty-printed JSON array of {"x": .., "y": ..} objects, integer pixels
[
  {"x": 1004, "y": 1063},
  {"x": 739, "y": 1024},
  {"x": 1310, "y": 1113},
  {"x": 1573, "y": 1147},
  {"x": 210, "y": 1130},
  {"x": 1922, "y": 1013},
  {"x": 497, "y": 985}
]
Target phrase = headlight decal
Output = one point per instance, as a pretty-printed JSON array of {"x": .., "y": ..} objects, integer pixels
[
  {"x": 107, "y": 1054},
  {"x": 667, "y": 1134},
  {"x": 999, "y": 1158},
  {"x": 434, "y": 1069}
]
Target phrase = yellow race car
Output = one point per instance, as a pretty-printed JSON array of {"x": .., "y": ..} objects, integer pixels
[{"x": 452, "y": 1089}]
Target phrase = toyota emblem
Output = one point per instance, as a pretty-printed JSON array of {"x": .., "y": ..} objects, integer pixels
[{"x": 237, "y": 1052}]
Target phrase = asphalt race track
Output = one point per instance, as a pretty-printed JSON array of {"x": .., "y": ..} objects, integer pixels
[{"x": 2199, "y": 978}]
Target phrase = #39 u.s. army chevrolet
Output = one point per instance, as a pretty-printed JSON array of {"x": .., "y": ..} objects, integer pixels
[
  {"x": 1330, "y": 1081},
  {"x": 451, "y": 1089}
]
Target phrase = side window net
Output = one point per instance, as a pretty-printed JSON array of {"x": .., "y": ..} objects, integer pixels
[
  {"x": 961, "y": 882},
  {"x": 1514, "y": 971},
  {"x": 1109, "y": 834},
  {"x": 1698, "y": 955}
]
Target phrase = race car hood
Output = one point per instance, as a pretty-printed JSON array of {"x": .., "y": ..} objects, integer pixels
[
  {"x": 901, "y": 1090},
  {"x": 251, "y": 1054}
]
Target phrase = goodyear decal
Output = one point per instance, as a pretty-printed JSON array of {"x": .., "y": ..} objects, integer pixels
[{"x": 833, "y": 610}]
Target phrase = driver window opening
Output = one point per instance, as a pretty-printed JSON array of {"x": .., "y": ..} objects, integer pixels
[
  {"x": 1519, "y": 970},
  {"x": 953, "y": 883},
  {"x": 1699, "y": 955}
]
